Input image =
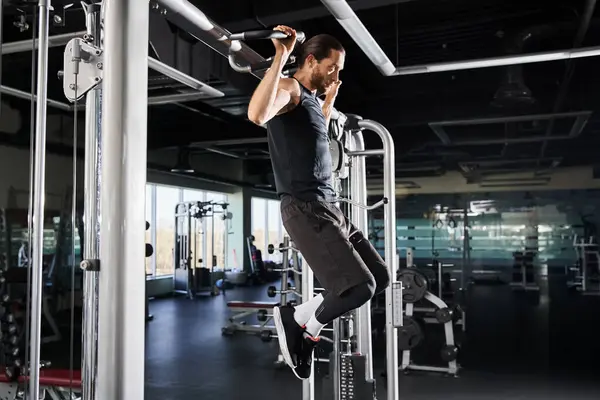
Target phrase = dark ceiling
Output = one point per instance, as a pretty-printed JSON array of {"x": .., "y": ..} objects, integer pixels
[{"x": 421, "y": 111}]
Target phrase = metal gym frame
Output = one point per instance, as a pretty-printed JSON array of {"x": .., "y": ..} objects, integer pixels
[{"x": 115, "y": 179}]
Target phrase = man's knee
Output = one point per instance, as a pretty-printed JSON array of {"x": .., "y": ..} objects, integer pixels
[
  {"x": 382, "y": 281},
  {"x": 373, "y": 261}
]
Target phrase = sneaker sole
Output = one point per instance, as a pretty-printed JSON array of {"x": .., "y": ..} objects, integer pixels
[{"x": 283, "y": 347}]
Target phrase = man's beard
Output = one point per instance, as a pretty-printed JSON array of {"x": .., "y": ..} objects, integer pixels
[{"x": 318, "y": 81}]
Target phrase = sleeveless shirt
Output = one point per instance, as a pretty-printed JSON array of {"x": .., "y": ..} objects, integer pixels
[{"x": 299, "y": 149}]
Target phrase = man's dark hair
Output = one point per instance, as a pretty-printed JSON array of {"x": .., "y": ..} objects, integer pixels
[{"x": 319, "y": 46}]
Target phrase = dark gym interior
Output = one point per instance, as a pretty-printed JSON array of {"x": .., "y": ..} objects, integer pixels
[{"x": 497, "y": 191}]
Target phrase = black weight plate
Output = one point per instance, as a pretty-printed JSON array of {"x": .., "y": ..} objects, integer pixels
[
  {"x": 449, "y": 353},
  {"x": 410, "y": 334},
  {"x": 336, "y": 149},
  {"x": 443, "y": 315},
  {"x": 414, "y": 285}
]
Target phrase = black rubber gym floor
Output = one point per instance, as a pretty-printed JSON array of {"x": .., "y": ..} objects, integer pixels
[{"x": 518, "y": 346}]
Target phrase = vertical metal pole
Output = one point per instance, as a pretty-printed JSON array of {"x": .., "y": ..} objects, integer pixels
[
  {"x": 122, "y": 299},
  {"x": 266, "y": 244},
  {"x": 308, "y": 385},
  {"x": 184, "y": 251},
  {"x": 91, "y": 211},
  {"x": 440, "y": 266},
  {"x": 466, "y": 245},
  {"x": 1, "y": 36},
  {"x": 389, "y": 220},
  {"x": 360, "y": 219},
  {"x": 39, "y": 194},
  {"x": 297, "y": 276},
  {"x": 336, "y": 358},
  {"x": 284, "y": 275},
  {"x": 177, "y": 249}
]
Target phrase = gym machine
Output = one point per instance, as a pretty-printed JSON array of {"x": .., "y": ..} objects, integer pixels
[
  {"x": 191, "y": 276},
  {"x": 523, "y": 276},
  {"x": 352, "y": 366},
  {"x": 415, "y": 289},
  {"x": 115, "y": 176},
  {"x": 243, "y": 309},
  {"x": 586, "y": 273}
]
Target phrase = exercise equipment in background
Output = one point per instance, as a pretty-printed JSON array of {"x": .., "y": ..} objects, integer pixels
[
  {"x": 260, "y": 271},
  {"x": 241, "y": 311},
  {"x": 584, "y": 276},
  {"x": 431, "y": 309},
  {"x": 192, "y": 276},
  {"x": 524, "y": 276},
  {"x": 149, "y": 252}
]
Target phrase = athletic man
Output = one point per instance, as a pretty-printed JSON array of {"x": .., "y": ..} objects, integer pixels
[{"x": 343, "y": 260}]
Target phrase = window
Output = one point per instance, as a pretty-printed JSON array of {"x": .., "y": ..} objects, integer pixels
[
  {"x": 150, "y": 261},
  {"x": 166, "y": 200},
  {"x": 275, "y": 228},
  {"x": 267, "y": 227},
  {"x": 193, "y": 195},
  {"x": 259, "y": 218}
]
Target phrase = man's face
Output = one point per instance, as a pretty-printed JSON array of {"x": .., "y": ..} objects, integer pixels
[{"x": 327, "y": 71}]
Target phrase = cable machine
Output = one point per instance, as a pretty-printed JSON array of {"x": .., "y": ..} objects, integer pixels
[{"x": 192, "y": 274}]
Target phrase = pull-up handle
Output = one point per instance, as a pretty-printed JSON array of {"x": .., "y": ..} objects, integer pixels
[
  {"x": 257, "y": 35},
  {"x": 266, "y": 34}
]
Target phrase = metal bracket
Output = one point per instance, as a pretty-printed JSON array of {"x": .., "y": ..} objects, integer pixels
[
  {"x": 83, "y": 64},
  {"x": 90, "y": 265}
]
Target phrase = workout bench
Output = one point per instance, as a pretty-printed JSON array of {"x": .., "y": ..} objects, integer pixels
[
  {"x": 243, "y": 309},
  {"x": 55, "y": 384}
]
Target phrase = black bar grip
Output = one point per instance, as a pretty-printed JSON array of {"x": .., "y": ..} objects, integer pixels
[
  {"x": 261, "y": 66},
  {"x": 265, "y": 34}
]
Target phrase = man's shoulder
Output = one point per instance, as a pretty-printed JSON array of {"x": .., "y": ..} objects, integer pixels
[{"x": 291, "y": 85}]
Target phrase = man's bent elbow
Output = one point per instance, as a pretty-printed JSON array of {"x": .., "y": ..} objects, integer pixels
[{"x": 256, "y": 118}]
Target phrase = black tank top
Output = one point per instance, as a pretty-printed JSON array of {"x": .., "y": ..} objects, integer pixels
[{"x": 299, "y": 149}]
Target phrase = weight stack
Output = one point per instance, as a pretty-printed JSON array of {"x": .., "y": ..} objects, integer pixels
[{"x": 352, "y": 384}]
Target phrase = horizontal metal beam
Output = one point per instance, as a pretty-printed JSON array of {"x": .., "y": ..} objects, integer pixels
[
  {"x": 375, "y": 152},
  {"x": 28, "y": 96},
  {"x": 499, "y": 61},
  {"x": 152, "y": 101},
  {"x": 28, "y": 45},
  {"x": 183, "y": 78},
  {"x": 176, "y": 98},
  {"x": 519, "y": 118},
  {"x": 224, "y": 153},
  {"x": 305, "y": 14}
]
